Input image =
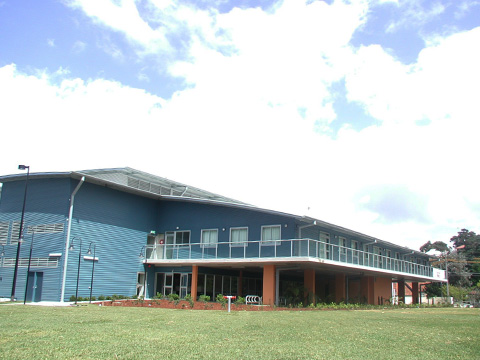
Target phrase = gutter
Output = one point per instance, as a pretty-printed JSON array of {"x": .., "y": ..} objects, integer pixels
[{"x": 67, "y": 241}]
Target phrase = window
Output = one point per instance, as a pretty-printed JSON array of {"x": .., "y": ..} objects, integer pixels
[
  {"x": 182, "y": 237},
  {"x": 325, "y": 245},
  {"x": 270, "y": 234},
  {"x": 209, "y": 238},
  {"x": 355, "y": 251},
  {"x": 238, "y": 236},
  {"x": 343, "y": 245},
  {"x": 4, "y": 227}
]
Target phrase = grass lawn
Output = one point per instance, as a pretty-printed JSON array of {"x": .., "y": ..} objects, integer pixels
[{"x": 93, "y": 332}]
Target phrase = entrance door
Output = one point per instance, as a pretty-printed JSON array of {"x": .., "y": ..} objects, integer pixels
[
  {"x": 169, "y": 244},
  {"x": 183, "y": 285},
  {"x": 35, "y": 284}
]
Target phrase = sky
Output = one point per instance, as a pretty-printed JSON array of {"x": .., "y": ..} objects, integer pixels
[{"x": 361, "y": 113}]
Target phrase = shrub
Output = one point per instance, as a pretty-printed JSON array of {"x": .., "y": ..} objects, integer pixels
[
  {"x": 240, "y": 300},
  {"x": 188, "y": 297},
  {"x": 204, "y": 298},
  {"x": 101, "y": 297}
]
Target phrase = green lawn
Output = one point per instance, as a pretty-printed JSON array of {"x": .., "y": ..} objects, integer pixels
[{"x": 93, "y": 332}]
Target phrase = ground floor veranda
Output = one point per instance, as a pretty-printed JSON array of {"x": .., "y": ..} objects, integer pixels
[{"x": 282, "y": 283}]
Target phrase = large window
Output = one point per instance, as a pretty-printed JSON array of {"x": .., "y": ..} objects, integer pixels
[
  {"x": 238, "y": 236},
  {"x": 209, "y": 238},
  {"x": 270, "y": 234},
  {"x": 355, "y": 251}
]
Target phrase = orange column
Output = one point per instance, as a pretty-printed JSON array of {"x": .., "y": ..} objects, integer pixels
[
  {"x": 309, "y": 283},
  {"x": 340, "y": 288},
  {"x": 269, "y": 285},
  {"x": 414, "y": 292},
  {"x": 367, "y": 284},
  {"x": 193, "y": 289},
  {"x": 401, "y": 290}
]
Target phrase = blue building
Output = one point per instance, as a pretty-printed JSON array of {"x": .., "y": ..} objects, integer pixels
[{"x": 138, "y": 234}]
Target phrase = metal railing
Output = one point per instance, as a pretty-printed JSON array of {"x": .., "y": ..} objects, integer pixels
[{"x": 291, "y": 248}]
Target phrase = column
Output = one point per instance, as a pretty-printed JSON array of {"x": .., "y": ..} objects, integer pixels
[
  {"x": 367, "y": 289},
  {"x": 414, "y": 292},
  {"x": 401, "y": 290},
  {"x": 340, "y": 288},
  {"x": 309, "y": 283},
  {"x": 269, "y": 285},
  {"x": 193, "y": 289}
]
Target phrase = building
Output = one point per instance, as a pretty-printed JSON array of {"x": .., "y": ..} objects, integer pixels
[{"x": 138, "y": 234}]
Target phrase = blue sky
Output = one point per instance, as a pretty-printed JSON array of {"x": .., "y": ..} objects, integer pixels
[{"x": 362, "y": 113}]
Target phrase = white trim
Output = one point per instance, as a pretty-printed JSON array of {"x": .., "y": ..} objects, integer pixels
[
  {"x": 90, "y": 258},
  {"x": 55, "y": 254}
]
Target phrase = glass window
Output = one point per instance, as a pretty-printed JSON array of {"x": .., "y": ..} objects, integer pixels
[
  {"x": 343, "y": 245},
  {"x": 209, "y": 237},
  {"x": 270, "y": 234},
  {"x": 239, "y": 236},
  {"x": 182, "y": 237}
]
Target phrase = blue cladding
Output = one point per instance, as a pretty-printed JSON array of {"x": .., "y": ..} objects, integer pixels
[{"x": 118, "y": 224}]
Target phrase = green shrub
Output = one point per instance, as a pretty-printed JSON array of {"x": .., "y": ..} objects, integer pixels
[
  {"x": 188, "y": 297},
  {"x": 240, "y": 300},
  {"x": 204, "y": 298},
  {"x": 101, "y": 297}
]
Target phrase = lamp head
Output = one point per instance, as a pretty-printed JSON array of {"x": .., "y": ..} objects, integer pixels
[{"x": 23, "y": 167}]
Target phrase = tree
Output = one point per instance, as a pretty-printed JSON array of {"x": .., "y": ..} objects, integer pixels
[
  {"x": 437, "y": 245},
  {"x": 467, "y": 245}
]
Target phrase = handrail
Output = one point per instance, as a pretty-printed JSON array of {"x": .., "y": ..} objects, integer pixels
[{"x": 289, "y": 248}]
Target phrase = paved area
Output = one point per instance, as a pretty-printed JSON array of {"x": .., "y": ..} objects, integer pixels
[{"x": 41, "y": 303}]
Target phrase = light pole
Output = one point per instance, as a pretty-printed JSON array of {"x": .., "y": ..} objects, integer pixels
[
  {"x": 89, "y": 252},
  {"x": 28, "y": 270},
  {"x": 20, "y": 232},
  {"x": 79, "y": 262}
]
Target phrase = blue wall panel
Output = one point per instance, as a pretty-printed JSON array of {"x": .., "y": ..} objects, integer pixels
[{"x": 118, "y": 224}]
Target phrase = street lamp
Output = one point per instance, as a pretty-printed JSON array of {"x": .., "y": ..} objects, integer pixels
[
  {"x": 28, "y": 270},
  {"x": 79, "y": 260},
  {"x": 20, "y": 232},
  {"x": 89, "y": 252}
]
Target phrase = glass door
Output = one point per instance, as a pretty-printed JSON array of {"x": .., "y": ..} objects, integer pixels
[{"x": 183, "y": 285}]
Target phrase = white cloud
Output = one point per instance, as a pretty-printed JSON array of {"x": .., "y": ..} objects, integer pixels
[
  {"x": 257, "y": 83},
  {"x": 79, "y": 47},
  {"x": 51, "y": 42}
]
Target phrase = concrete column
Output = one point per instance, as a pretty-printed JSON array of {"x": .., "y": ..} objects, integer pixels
[
  {"x": 401, "y": 290},
  {"x": 309, "y": 283},
  {"x": 269, "y": 285},
  {"x": 193, "y": 289},
  {"x": 414, "y": 292},
  {"x": 340, "y": 294}
]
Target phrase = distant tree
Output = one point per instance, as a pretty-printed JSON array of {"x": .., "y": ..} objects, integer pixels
[
  {"x": 467, "y": 245},
  {"x": 437, "y": 245}
]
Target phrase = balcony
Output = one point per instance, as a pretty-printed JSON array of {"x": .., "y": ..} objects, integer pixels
[{"x": 291, "y": 250}]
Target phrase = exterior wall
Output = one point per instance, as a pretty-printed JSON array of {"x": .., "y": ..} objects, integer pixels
[
  {"x": 118, "y": 223},
  {"x": 47, "y": 203},
  {"x": 176, "y": 215}
]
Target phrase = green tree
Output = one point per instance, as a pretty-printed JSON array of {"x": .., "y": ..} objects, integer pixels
[{"x": 467, "y": 245}]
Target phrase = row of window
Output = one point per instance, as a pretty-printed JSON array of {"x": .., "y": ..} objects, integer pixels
[
  {"x": 238, "y": 236},
  {"x": 34, "y": 229}
]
